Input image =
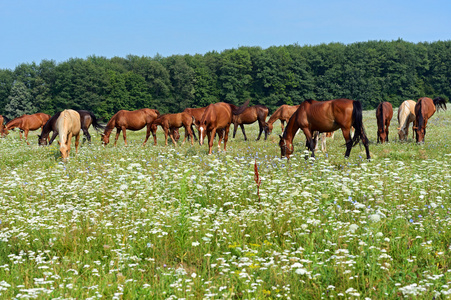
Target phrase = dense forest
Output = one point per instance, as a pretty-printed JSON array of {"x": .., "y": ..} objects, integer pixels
[{"x": 371, "y": 72}]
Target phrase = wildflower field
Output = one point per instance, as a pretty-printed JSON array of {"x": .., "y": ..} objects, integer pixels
[{"x": 171, "y": 222}]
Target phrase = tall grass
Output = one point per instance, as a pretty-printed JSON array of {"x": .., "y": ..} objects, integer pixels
[{"x": 172, "y": 222}]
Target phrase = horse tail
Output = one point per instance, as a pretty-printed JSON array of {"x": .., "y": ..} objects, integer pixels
[
  {"x": 440, "y": 103},
  {"x": 95, "y": 123},
  {"x": 357, "y": 116},
  {"x": 239, "y": 110}
]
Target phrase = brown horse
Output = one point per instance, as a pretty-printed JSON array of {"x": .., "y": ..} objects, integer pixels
[
  {"x": 68, "y": 124},
  {"x": 325, "y": 116},
  {"x": 197, "y": 114},
  {"x": 132, "y": 120},
  {"x": 384, "y": 113},
  {"x": 169, "y": 122},
  {"x": 406, "y": 115},
  {"x": 217, "y": 117},
  {"x": 424, "y": 109},
  {"x": 26, "y": 123},
  {"x": 249, "y": 116},
  {"x": 87, "y": 119},
  {"x": 283, "y": 113}
]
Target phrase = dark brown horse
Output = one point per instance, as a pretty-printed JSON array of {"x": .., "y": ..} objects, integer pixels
[
  {"x": 424, "y": 109},
  {"x": 249, "y": 116},
  {"x": 132, "y": 120},
  {"x": 26, "y": 123},
  {"x": 218, "y": 116},
  {"x": 283, "y": 113},
  {"x": 384, "y": 113},
  {"x": 197, "y": 114},
  {"x": 87, "y": 119},
  {"x": 169, "y": 122},
  {"x": 325, "y": 116},
  {"x": 3, "y": 121}
]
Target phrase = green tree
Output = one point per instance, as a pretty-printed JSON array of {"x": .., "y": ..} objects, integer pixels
[{"x": 20, "y": 101}]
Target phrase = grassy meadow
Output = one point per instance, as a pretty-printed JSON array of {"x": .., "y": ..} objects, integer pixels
[{"x": 171, "y": 222}]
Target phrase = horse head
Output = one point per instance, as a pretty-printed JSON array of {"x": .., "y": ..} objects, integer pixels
[
  {"x": 268, "y": 128},
  {"x": 420, "y": 132},
  {"x": 105, "y": 139},
  {"x": 202, "y": 132},
  {"x": 382, "y": 135},
  {"x": 64, "y": 149},
  {"x": 401, "y": 134},
  {"x": 286, "y": 148},
  {"x": 5, "y": 131},
  {"x": 42, "y": 141}
]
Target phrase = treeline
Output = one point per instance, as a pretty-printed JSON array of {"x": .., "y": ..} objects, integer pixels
[{"x": 371, "y": 72}]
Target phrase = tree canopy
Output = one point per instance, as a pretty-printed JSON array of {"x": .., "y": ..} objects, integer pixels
[{"x": 371, "y": 72}]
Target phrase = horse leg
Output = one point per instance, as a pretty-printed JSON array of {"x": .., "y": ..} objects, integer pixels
[
  {"x": 69, "y": 138},
  {"x": 26, "y": 136},
  {"x": 148, "y": 134},
  {"x": 282, "y": 125},
  {"x": 171, "y": 135},
  {"x": 315, "y": 140},
  {"x": 193, "y": 132},
  {"x": 260, "y": 128},
  {"x": 211, "y": 137},
  {"x": 386, "y": 131},
  {"x": 220, "y": 137},
  {"x": 118, "y": 132},
  {"x": 347, "y": 137},
  {"x": 323, "y": 142},
  {"x": 166, "y": 131},
  {"x": 77, "y": 142},
  {"x": 244, "y": 132},
  {"x": 124, "y": 134},
  {"x": 226, "y": 136},
  {"x": 190, "y": 134},
  {"x": 86, "y": 133},
  {"x": 235, "y": 127}
]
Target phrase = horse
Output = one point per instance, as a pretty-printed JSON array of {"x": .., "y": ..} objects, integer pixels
[
  {"x": 283, "y": 113},
  {"x": 197, "y": 114},
  {"x": 169, "y": 122},
  {"x": 3, "y": 121},
  {"x": 67, "y": 125},
  {"x": 384, "y": 113},
  {"x": 249, "y": 116},
  {"x": 424, "y": 109},
  {"x": 26, "y": 123},
  {"x": 406, "y": 115},
  {"x": 325, "y": 116},
  {"x": 86, "y": 119},
  {"x": 132, "y": 120},
  {"x": 217, "y": 117}
]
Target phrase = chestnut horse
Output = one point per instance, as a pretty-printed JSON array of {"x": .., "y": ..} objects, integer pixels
[
  {"x": 283, "y": 113},
  {"x": 249, "y": 116},
  {"x": 169, "y": 122},
  {"x": 68, "y": 124},
  {"x": 325, "y": 116},
  {"x": 384, "y": 113},
  {"x": 197, "y": 114},
  {"x": 217, "y": 117},
  {"x": 26, "y": 123},
  {"x": 424, "y": 109},
  {"x": 132, "y": 120},
  {"x": 86, "y": 119},
  {"x": 406, "y": 115}
]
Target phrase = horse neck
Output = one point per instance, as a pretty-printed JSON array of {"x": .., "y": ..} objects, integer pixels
[
  {"x": 110, "y": 126},
  {"x": 274, "y": 117},
  {"x": 403, "y": 117},
  {"x": 420, "y": 116},
  {"x": 13, "y": 124},
  {"x": 291, "y": 129},
  {"x": 380, "y": 121}
]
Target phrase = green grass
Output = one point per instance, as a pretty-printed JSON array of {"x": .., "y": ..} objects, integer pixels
[{"x": 173, "y": 222}]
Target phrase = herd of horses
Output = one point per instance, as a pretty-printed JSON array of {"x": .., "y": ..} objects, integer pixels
[{"x": 311, "y": 117}]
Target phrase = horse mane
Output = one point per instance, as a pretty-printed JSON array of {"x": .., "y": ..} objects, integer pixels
[
  {"x": 440, "y": 103},
  {"x": 309, "y": 101},
  {"x": 380, "y": 112},
  {"x": 420, "y": 115}
]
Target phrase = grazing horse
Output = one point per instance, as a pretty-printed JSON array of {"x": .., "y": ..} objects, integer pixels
[
  {"x": 197, "y": 114},
  {"x": 325, "y": 116},
  {"x": 3, "y": 121},
  {"x": 283, "y": 113},
  {"x": 132, "y": 120},
  {"x": 217, "y": 117},
  {"x": 249, "y": 116},
  {"x": 406, "y": 115},
  {"x": 68, "y": 124},
  {"x": 86, "y": 119},
  {"x": 26, "y": 123},
  {"x": 169, "y": 122},
  {"x": 424, "y": 109},
  {"x": 384, "y": 113}
]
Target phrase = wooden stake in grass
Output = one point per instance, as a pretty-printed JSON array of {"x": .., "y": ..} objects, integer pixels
[{"x": 257, "y": 179}]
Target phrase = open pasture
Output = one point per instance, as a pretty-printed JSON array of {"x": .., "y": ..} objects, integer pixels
[{"x": 169, "y": 223}]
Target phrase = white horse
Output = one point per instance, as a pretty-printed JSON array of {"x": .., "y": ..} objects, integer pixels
[{"x": 406, "y": 115}]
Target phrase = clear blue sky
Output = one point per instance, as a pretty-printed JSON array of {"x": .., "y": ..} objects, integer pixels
[{"x": 33, "y": 30}]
